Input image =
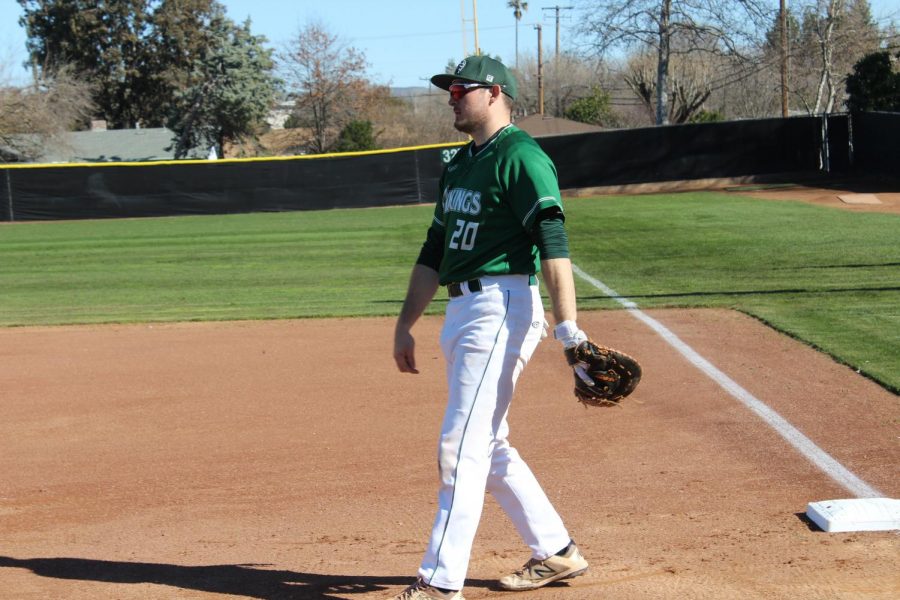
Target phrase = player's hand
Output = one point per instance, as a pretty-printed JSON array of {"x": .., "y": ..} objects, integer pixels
[
  {"x": 404, "y": 352},
  {"x": 570, "y": 336}
]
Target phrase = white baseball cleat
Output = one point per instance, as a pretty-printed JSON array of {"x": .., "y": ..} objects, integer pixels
[
  {"x": 422, "y": 591},
  {"x": 536, "y": 573}
]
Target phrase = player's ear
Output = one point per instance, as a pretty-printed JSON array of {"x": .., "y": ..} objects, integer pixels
[{"x": 496, "y": 91}]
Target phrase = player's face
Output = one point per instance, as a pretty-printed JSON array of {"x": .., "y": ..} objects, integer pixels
[{"x": 470, "y": 105}]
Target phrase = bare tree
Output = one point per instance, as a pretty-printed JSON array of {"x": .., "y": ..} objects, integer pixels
[
  {"x": 693, "y": 81},
  {"x": 669, "y": 28},
  {"x": 414, "y": 120},
  {"x": 690, "y": 85},
  {"x": 825, "y": 34},
  {"x": 834, "y": 35},
  {"x": 327, "y": 79},
  {"x": 35, "y": 116},
  {"x": 573, "y": 77},
  {"x": 755, "y": 95}
]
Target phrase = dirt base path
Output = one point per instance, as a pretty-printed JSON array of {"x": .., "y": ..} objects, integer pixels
[
  {"x": 858, "y": 196},
  {"x": 853, "y": 194},
  {"x": 271, "y": 460}
]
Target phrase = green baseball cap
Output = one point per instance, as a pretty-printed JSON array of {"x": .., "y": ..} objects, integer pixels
[{"x": 479, "y": 69}]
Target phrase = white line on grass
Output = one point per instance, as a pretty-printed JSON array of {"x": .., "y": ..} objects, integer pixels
[{"x": 791, "y": 434}]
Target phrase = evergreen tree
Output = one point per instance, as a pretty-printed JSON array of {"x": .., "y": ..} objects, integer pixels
[
  {"x": 356, "y": 136},
  {"x": 101, "y": 40},
  {"x": 181, "y": 63},
  {"x": 875, "y": 83},
  {"x": 180, "y": 33},
  {"x": 594, "y": 109},
  {"x": 231, "y": 90}
]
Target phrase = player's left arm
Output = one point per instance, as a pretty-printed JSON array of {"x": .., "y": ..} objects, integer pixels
[
  {"x": 560, "y": 284},
  {"x": 550, "y": 237},
  {"x": 556, "y": 266},
  {"x": 559, "y": 280},
  {"x": 533, "y": 187}
]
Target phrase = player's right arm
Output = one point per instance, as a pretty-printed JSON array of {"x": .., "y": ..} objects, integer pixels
[{"x": 423, "y": 285}]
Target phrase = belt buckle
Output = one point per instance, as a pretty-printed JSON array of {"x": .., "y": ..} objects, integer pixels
[{"x": 456, "y": 289}]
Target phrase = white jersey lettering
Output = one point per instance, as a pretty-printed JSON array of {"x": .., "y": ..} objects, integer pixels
[{"x": 462, "y": 200}]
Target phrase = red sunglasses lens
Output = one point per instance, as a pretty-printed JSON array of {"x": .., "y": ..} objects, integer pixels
[{"x": 458, "y": 90}]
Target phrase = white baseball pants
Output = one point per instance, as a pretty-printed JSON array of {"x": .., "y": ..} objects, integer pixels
[{"x": 487, "y": 339}]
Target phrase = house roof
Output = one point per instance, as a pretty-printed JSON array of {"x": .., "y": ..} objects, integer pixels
[
  {"x": 115, "y": 145},
  {"x": 542, "y": 125}
]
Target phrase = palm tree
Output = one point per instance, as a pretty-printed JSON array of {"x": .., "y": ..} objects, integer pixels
[{"x": 518, "y": 7}]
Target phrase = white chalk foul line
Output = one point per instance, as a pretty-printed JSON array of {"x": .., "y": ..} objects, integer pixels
[{"x": 791, "y": 434}]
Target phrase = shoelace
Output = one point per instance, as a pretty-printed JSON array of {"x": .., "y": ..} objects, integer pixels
[
  {"x": 532, "y": 562},
  {"x": 410, "y": 592}
]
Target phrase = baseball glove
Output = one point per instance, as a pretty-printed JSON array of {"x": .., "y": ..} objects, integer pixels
[{"x": 613, "y": 374}]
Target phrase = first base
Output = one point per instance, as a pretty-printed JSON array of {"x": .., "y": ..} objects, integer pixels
[
  {"x": 859, "y": 199},
  {"x": 858, "y": 514}
]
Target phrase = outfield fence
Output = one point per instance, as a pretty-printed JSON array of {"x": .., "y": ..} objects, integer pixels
[
  {"x": 764, "y": 147},
  {"x": 876, "y": 142}
]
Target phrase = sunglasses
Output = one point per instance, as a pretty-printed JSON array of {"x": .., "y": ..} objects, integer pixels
[{"x": 458, "y": 90}]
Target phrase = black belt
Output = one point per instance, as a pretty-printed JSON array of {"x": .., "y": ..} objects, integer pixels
[{"x": 456, "y": 290}]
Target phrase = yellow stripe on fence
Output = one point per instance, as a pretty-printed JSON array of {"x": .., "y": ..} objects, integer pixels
[{"x": 230, "y": 160}]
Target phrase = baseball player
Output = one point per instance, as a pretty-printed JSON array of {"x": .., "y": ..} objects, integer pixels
[{"x": 497, "y": 223}]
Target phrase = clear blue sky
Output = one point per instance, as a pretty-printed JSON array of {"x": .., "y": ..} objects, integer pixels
[{"x": 405, "y": 41}]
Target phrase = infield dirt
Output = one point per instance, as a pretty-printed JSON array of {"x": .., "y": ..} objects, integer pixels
[
  {"x": 289, "y": 459},
  {"x": 820, "y": 190},
  {"x": 885, "y": 195}
]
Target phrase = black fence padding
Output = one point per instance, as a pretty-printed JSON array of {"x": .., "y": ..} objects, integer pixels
[
  {"x": 684, "y": 152},
  {"x": 838, "y": 135},
  {"x": 672, "y": 153},
  {"x": 147, "y": 190},
  {"x": 5, "y": 200},
  {"x": 876, "y": 142}
]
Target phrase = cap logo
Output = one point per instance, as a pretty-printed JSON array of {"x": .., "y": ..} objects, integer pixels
[
  {"x": 490, "y": 78},
  {"x": 460, "y": 67}
]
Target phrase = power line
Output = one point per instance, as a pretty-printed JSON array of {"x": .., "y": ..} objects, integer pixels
[{"x": 433, "y": 33}]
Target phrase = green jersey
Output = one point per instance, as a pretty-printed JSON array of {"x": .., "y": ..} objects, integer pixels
[{"x": 488, "y": 204}]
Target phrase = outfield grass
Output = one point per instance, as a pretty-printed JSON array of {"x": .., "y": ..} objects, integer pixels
[{"x": 826, "y": 276}]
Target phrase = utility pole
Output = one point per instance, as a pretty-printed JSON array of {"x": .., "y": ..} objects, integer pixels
[
  {"x": 475, "y": 22},
  {"x": 557, "y": 9},
  {"x": 540, "y": 73},
  {"x": 556, "y": 77},
  {"x": 462, "y": 12},
  {"x": 784, "y": 55}
]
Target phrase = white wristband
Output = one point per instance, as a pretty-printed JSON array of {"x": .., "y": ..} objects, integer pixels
[{"x": 568, "y": 334}]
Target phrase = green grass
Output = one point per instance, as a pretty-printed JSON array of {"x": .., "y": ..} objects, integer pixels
[
  {"x": 276, "y": 265},
  {"x": 828, "y": 277}
]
